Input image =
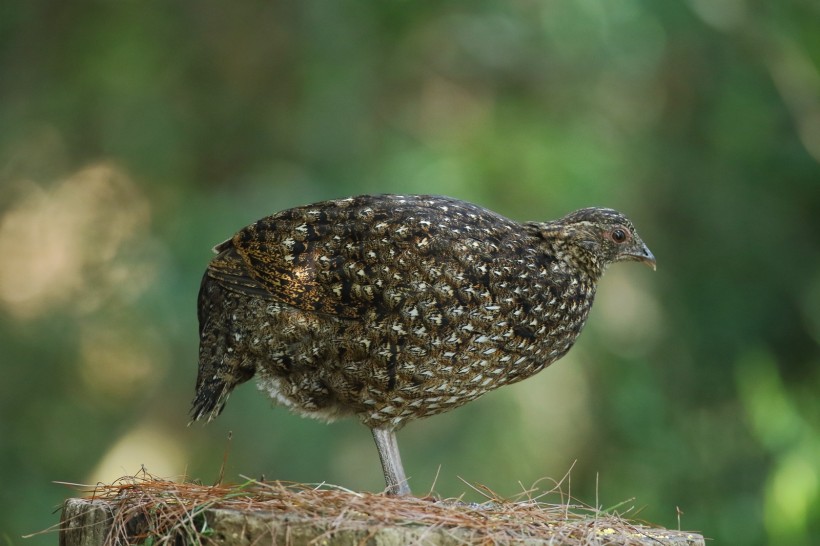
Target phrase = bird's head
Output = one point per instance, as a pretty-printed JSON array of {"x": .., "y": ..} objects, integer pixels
[{"x": 601, "y": 236}]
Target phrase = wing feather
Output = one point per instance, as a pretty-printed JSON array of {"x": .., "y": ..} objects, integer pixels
[{"x": 346, "y": 258}]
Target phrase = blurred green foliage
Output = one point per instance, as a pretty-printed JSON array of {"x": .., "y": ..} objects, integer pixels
[{"x": 134, "y": 136}]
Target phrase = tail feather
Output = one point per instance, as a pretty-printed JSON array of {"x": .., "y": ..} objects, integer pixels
[
  {"x": 221, "y": 367},
  {"x": 210, "y": 401}
]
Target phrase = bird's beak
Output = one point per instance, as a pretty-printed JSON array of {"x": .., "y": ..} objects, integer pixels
[{"x": 645, "y": 255}]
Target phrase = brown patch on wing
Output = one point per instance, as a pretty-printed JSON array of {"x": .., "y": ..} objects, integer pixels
[{"x": 294, "y": 264}]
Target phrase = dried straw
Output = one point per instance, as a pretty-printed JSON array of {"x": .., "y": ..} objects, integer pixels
[{"x": 155, "y": 511}]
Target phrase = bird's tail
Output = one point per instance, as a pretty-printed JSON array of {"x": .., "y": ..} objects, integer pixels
[
  {"x": 210, "y": 399},
  {"x": 220, "y": 368}
]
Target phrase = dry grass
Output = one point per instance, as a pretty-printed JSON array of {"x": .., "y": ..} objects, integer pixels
[{"x": 157, "y": 512}]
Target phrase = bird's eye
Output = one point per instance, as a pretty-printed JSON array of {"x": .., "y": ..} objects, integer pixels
[{"x": 619, "y": 235}]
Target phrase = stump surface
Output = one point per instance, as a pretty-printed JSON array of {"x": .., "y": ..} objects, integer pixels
[{"x": 272, "y": 513}]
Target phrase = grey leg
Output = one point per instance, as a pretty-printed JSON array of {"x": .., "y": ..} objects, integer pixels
[{"x": 391, "y": 461}]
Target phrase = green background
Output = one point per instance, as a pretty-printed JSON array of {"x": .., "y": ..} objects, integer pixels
[{"x": 136, "y": 135}]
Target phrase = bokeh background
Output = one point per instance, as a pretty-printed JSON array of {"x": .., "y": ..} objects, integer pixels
[{"x": 136, "y": 135}]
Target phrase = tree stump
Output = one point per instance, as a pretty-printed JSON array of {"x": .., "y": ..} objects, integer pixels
[{"x": 276, "y": 514}]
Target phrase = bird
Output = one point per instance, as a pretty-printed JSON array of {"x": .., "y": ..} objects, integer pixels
[{"x": 392, "y": 308}]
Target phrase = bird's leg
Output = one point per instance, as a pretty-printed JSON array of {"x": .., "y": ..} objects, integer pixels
[{"x": 391, "y": 461}]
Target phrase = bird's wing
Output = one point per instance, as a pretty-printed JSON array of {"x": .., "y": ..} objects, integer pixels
[
  {"x": 229, "y": 268},
  {"x": 347, "y": 258},
  {"x": 259, "y": 264},
  {"x": 317, "y": 258}
]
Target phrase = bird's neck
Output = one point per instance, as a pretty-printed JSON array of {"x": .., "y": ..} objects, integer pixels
[{"x": 571, "y": 246}]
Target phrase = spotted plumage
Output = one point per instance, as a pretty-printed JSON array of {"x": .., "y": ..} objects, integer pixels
[{"x": 392, "y": 308}]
